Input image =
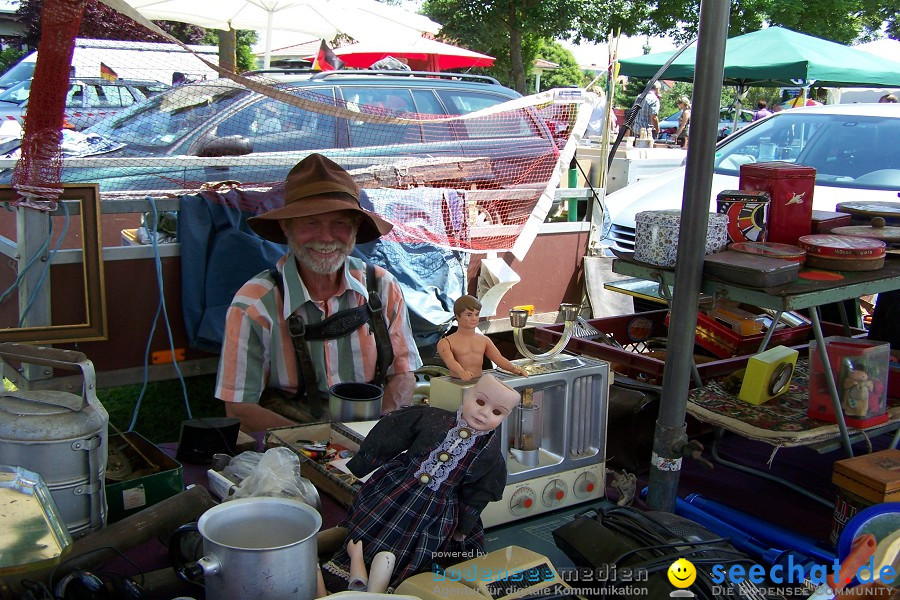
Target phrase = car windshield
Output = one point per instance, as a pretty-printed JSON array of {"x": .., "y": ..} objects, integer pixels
[
  {"x": 163, "y": 120},
  {"x": 18, "y": 93},
  {"x": 846, "y": 150}
]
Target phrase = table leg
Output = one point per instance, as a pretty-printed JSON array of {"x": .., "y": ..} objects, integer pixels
[
  {"x": 771, "y": 329},
  {"x": 829, "y": 380}
]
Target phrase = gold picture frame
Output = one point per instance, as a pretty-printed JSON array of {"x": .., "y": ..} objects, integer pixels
[{"x": 94, "y": 327}]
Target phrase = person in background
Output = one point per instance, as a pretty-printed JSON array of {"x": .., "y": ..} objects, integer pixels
[
  {"x": 273, "y": 376},
  {"x": 434, "y": 473},
  {"x": 684, "y": 103},
  {"x": 762, "y": 110},
  {"x": 888, "y": 98},
  {"x": 648, "y": 115}
]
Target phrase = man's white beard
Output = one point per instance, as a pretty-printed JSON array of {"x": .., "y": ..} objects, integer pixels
[{"x": 319, "y": 264}]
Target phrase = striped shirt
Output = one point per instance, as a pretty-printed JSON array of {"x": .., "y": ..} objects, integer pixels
[{"x": 258, "y": 353}]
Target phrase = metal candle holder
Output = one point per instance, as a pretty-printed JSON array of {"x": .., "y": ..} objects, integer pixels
[{"x": 518, "y": 319}]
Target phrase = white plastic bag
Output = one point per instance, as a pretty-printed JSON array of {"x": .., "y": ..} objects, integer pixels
[{"x": 274, "y": 473}]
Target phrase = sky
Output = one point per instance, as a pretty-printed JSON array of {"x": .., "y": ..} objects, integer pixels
[{"x": 597, "y": 55}]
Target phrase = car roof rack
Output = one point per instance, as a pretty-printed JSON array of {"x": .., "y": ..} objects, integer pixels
[
  {"x": 280, "y": 71},
  {"x": 405, "y": 73}
]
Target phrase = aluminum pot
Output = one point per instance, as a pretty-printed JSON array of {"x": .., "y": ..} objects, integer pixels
[
  {"x": 260, "y": 547},
  {"x": 354, "y": 402}
]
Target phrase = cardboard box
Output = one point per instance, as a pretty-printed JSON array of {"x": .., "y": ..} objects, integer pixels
[
  {"x": 155, "y": 476},
  {"x": 863, "y": 481},
  {"x": 337, "y": 484}
]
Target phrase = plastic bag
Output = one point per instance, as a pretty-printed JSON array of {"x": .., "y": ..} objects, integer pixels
[{"x": 274, "y": 473}]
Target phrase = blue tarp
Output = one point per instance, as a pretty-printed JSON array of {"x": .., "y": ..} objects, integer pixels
[{"x": 219, "y": 253}]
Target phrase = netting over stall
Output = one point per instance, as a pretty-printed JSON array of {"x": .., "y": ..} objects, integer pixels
[{"x": 478, "y": 158}]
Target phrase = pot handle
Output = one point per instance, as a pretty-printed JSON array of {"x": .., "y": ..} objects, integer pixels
[
  {"x": 184, "y": 571},
  {"x": 59, "y": 358}
]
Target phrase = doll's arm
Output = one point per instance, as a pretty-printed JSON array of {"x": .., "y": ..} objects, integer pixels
[
  {"x": 393, "y": 434},
  {"x": 475, "y": 495},
  {"x": 456, "y": 369},
  {"x": 494, "y": 354}
]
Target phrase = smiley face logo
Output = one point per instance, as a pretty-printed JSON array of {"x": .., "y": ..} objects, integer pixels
[{"x": 682, "y": 573}]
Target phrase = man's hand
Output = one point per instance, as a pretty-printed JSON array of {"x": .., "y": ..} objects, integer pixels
[{"x": 398, "y": 391}]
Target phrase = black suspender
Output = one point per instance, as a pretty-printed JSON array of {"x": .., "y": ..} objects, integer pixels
[{"x": 337, "y": 325}]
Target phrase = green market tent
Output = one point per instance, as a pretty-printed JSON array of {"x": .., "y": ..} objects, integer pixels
[{"x": 776, "y": 57}]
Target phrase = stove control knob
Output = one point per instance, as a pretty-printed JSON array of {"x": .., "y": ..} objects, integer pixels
[
  {"x": 586, "y": 485},
  {"x": 555, "y": 492},
  {"x": 522, "y": 501}
]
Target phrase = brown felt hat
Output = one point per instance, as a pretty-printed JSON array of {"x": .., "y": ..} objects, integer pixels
[{"x": 318, "y": 185}]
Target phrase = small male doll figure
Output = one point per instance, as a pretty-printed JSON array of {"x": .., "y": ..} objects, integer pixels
[{"x": 463, "y": 351}]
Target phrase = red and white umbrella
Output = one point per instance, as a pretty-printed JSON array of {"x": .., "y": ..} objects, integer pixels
[{"x": 422, "y": 54}]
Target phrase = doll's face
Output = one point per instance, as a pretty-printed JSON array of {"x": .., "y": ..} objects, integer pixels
[{"x": 488, "y": 403}]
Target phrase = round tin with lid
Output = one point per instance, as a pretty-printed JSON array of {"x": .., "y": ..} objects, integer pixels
[
  {"x": 771, "y": 250},
  {"x": 877, "y": 230},
  {"x": 862, "y": 211},
  {"x": 841, "y": 246},
  {"x": 843, "y": 252}
]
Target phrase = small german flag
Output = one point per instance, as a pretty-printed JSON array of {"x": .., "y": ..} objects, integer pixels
[
  {"x": 107, "y": 73},
  {"x": 326, "y": 60}
]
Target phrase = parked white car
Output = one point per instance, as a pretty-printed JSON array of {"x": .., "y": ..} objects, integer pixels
[{"x": 853, "y": 148}]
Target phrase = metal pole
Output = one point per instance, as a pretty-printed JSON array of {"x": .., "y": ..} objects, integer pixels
[{"x": 670, "y": 436}]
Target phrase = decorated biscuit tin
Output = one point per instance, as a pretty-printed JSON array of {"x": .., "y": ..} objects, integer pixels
[
  {"x": 656, "y": 236},
  {"x": 842, "y": 252},
  {"x": 746, "y": 212}
]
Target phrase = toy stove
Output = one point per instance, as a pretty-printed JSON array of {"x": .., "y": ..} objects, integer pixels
[{"x": 555, "y": 439}]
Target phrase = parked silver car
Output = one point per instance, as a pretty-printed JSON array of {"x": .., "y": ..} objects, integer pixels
[{"x": 88, "y": 99}]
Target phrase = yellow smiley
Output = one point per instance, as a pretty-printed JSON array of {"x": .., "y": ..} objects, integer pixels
[{"x": 682, "y": 573}]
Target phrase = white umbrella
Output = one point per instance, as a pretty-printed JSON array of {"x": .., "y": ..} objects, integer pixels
[{"x": 360, "y": 19}]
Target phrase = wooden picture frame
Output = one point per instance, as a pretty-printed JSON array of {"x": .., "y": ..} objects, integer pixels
[{"x": 94, "y": 326}]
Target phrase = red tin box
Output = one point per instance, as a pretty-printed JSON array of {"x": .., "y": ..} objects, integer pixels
[
  {"x": 824, "y": 221},
  {"x": 790, "y": 189},
  {"x": 634, "y": 359}
]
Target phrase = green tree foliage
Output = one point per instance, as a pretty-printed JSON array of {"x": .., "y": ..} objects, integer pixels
[
  {"x": 103, "y": 23},
  {"x": 842, "y": 21},
  {"x": 510, "y": 30},
  {"x": 9, "y": 57},
  {"x": 246, "y": 60},
  {"x": 568, "y": 74}
]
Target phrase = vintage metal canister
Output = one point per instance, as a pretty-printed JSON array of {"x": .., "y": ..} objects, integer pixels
[
  {"x": 62, "y": 436},
  {"x": 656, "y": 236},
  {"x": 746, "y": 212},
  {"x": 790, "y": 187}
]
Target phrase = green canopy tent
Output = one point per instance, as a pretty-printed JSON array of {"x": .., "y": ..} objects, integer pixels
[{"x": 776, "y": 57}]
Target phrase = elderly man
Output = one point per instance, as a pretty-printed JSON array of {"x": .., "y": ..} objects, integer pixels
[{"x": 320, "y": 317}]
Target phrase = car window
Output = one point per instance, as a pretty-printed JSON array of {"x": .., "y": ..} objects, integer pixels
[
  {"x": 275, "y": 126},
  {"x": 166, "y": 119},
  {"x": 427, "y": 103},
  {"x": 75, "y": 96},
  {"x": 384, "y": 100},
  {"x": 460, "y": 102},
  {"x": 17, "y": 93},
  {"x": 846, "y": 150}
]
